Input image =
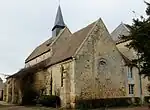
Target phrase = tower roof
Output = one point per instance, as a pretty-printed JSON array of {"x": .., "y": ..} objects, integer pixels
[{"x": 59, "y": 22}]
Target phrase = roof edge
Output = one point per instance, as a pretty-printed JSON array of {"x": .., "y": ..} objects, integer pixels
[
  {"x": 78, "y": 49},
  {"x": 26, "y": 61},
  {"x": 11, "y": 76}
]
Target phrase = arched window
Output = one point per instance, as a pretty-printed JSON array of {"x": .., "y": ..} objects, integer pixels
[{"x": 102, "y": 65}]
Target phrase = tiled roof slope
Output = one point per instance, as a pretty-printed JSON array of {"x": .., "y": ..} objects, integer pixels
[
  {"x": 67, "y": 48},
  {"x": 63, "y": 49},
  {"x": 41, "y": 49},
  {"x": 44, "y": 47}
]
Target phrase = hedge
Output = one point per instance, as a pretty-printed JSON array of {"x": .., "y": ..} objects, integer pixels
[
  {"x": 49, "y": 100},
  {"x": 110, "y": 102}
]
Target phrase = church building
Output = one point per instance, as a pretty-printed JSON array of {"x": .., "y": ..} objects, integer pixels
[{"x": 89, "y": 64}]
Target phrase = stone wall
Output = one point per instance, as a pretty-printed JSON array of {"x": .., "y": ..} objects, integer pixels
[
  {"x": 12, "y": 92},
  {"x": 99, "y": 67},
  {"x": 50, "y": 80},
  {"x": 62, "y": 77}
]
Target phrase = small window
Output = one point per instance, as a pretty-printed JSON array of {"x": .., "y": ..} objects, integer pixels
[
  {"x": 130, "y": 74},
  {"x": 101, "y": 65},
  {"x": 131, "y": 88},
  {"x": 62, "y": 69}
]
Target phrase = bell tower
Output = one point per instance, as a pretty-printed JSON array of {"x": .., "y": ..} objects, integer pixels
[{"x": 59, "y": 23}]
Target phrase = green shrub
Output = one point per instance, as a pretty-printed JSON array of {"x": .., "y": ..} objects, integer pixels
[
  {"x": 29, "y": 96},
  {"x": 109, "y": 102},
  {"x": 137, "y": 101},
  {"x": 49, "y": 100},
  {"x": 147, "y": 99}
]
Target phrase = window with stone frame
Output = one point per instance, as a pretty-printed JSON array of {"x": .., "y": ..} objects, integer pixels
[
  {"x": 102, "y": 65},
  {"x": 62, "y": 70},
  {"x": 131, "y": 89}
]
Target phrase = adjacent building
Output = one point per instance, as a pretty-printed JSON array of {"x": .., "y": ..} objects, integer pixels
[
  {"x": 1, "y": 89},
  {"x": 136, "y": 83}
]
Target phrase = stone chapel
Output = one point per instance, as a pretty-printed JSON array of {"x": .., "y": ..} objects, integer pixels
[{"x": 86, "y": 65}]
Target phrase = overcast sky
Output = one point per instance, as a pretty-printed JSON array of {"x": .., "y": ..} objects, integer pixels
[{"x": 24, "y": 24}]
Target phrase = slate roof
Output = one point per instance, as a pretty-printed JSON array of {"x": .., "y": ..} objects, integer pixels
[
  {"x": 59, "y": 22},
  {"x": 67, "y": 49}
]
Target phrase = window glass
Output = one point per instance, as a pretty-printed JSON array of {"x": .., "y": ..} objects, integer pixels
[{"x": 131, "y": 88}]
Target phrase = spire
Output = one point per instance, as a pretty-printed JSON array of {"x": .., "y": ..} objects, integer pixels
[{"x": 59, "y": 23}]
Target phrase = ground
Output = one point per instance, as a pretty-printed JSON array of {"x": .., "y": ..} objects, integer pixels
[
  {"x": 4, "y": 106},
  {"x": 24, "y": 108},
  {"x": 43, "y": 108}
]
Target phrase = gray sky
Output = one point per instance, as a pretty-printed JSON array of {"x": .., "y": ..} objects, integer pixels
[{"x": 24, "y": 24}]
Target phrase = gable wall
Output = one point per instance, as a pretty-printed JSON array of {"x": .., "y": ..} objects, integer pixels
[
  {"x": 93, "y": 81},
  {"x": 120, "y": 30}
]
